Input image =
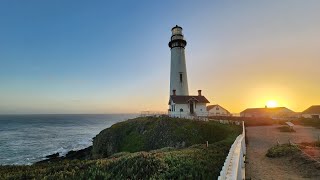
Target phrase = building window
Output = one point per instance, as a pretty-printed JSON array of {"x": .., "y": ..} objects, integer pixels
[
  {"x": 217, "y": 108},
  {"x": 173, "y": 107},
  {"x": 180, "y": 77},
  {"x": 181, "y": 110}
]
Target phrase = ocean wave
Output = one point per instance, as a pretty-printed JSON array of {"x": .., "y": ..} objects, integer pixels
[{"x": 26, "y": 139}]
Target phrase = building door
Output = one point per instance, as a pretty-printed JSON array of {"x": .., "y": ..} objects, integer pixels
[{"x": 191, "y": 107}]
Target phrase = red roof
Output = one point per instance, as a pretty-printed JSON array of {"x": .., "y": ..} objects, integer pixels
[
  {"x": 186, "y": 99},
  {"x": 312, "y": 110},
  {"x": 216, "y": 105},
  {"x": 266, "y": 110}
]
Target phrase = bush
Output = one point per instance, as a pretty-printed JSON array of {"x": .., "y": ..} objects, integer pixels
[
  {"x": 195, "y": 162},
  {"x": 282, "y": 150},
  {"x": 307, "y": 122},
  {"x": 250, "y": 121},
  {"x": 286, "y": 129}
]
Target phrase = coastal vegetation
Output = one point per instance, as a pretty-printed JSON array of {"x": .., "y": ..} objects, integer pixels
[
  {"x": 282, "y": 150},
  {"x": 149, "y": 133},
  {"x": 265, "y": 121},
  {"x": 142, "y": 148},
  {"x": 286, "y": 129},
  {"x": 249, "y": 121},
  {"x": 307, "y": 122}
]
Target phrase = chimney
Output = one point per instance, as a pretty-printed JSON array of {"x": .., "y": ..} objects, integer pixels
[
  {"x": 199, "y": 92},
  {"x": 174, "y": 92}
]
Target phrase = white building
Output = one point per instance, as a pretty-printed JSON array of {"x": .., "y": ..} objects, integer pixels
[
  {"x": 217, "y": 110},
  {"x": 180, "y": 103},
  {"x": 312, "y": 112},
  {"x": 188, "y": 106}
]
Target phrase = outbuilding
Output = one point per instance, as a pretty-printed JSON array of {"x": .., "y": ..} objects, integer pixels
[
  {"x": 312, "y": 112},
  {"x": 276, "y": 112},
  {"x": 217, "y": 110}
]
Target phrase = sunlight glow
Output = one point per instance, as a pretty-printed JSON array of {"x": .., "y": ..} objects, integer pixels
[{"x": 272, "y": 104}]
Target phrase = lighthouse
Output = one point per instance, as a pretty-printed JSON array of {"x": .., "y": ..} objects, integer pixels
[
  {"x": 181, "y": 104},
  {"x": 178, "y": 71}
]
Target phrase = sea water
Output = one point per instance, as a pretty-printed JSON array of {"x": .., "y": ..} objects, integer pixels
[{"x": 25, "y": 139}]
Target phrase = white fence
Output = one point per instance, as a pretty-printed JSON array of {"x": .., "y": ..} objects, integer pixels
[
  {"x": 152, "y": 113},
  {"x": 234, "y": 166}
]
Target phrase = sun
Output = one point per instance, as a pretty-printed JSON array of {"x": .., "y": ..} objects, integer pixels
[{"x": 272, "y": 104}]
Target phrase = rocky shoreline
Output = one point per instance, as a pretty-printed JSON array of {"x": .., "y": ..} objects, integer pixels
[{"x": 81, "y": 154}]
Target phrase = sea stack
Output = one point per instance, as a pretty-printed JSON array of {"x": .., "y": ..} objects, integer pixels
[{"x": 178, "y": 72}]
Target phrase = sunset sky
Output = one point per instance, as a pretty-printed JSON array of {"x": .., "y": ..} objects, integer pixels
[{"x": 113, "y": 57}]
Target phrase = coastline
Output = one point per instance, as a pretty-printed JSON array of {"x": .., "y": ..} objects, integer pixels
[
  {"x": 27, "y": 139},
  {"x": 166, "y": 148}
]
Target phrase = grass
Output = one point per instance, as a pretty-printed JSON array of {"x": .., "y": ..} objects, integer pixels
[{"x": 282, "y": 150}]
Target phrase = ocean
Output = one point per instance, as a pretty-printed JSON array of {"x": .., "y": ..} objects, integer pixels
[{"x": 25, "y": 139}]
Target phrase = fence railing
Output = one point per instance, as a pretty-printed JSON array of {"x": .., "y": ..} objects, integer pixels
[
  {"x": 152, "y": 113},
  {"x": 234, "y": 165}
]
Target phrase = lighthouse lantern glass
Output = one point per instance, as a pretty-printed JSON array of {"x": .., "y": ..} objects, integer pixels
[{"x": 176, "y": 31}]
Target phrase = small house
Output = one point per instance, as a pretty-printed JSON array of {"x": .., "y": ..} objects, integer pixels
[{"x": 217, "y": 110}]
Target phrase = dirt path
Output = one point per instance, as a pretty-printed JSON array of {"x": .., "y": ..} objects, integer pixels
[{"x": 261, "y": 138}]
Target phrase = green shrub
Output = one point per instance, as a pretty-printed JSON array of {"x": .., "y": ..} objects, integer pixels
[
  {"x": 195, "y": 162},
  {"x": 307, "y": 122},
  {"x": 119, "y": 154},
  {"x": 282, "y": 150},
  {"x": 286, "y": 129},
  {"x": 150, "y": 133}
]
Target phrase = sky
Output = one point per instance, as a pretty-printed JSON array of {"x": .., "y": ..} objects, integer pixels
[{"x": 79, "y": 56}]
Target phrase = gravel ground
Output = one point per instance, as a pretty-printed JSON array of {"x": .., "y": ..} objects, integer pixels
[{"x": 261, "y": 138}]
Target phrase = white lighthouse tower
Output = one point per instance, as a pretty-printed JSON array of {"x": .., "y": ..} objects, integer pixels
[
  {"x": 178, "y": 74},
  {"x": 181, "y": 104}
]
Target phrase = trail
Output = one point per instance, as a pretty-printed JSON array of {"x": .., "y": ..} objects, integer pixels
[{"x": 261, "y": 138}]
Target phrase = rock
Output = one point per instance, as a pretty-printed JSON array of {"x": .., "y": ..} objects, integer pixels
[
  {"x": 55, "y": 155},
  {"x": 51, "y": 158},
  {"x": 81, "y": 154}
]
